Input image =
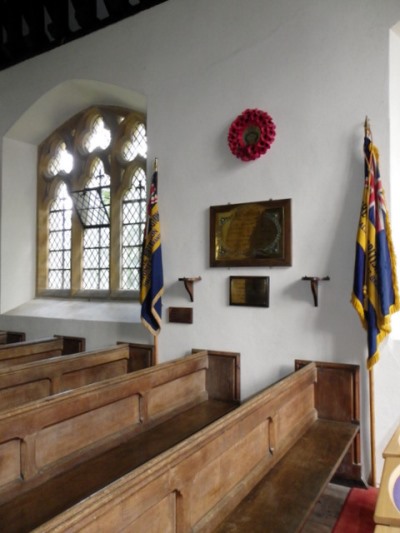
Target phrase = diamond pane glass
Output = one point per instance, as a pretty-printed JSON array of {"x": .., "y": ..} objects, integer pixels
[
  {"x": 56, "y": 240},
  {"x": 137, "y": 143},
  {"x": 104, "y": 237},
  {"x": 98, "y": 137},
  {"x": 59, "y": 243},
  {"x": 130, "y": 278},
  {"x": 96, "y": 259},
  {"x": 104, "y": 258},
  {"x": 66, "y": 280},
  {"x": 61, "y": 162},
  {"x": 56, "y": 219},
  {"x": 91, "y": 238},
  {"x": 67, "y": 261},
  {"x": 133, "y": 225}
]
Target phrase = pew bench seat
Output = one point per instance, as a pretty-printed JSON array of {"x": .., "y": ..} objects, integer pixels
[{"x": 284, "y": 498}]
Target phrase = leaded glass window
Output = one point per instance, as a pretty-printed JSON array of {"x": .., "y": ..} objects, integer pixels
[
  {"x": 133, "y": 224},
  {"x": 60, "y": 239},
  {"x": 92, "y": 203},
  {"x": 96, "y": 237}
]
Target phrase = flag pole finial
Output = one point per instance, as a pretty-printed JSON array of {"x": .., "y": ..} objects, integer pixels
[
  {"x": 156, "y": 164},
  {"x": 367, "y": 128}
]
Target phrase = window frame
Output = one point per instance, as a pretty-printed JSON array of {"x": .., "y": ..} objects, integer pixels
[{"x": 120, "y": 121}]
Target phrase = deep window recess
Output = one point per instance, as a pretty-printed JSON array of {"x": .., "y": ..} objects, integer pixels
[{"x": 92, "y": 204}]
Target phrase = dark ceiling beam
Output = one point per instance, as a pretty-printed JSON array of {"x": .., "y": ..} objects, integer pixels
[{"x": 31, "y": 27}]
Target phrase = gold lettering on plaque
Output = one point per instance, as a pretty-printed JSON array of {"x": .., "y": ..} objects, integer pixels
[{"x": 249, "y": 231}]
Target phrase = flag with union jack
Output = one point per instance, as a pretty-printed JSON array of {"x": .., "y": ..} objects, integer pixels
[
  {"x": 375, "y": 292},
  {"x": 152, "y": 281}
]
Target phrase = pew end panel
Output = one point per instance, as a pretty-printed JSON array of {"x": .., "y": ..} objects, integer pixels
[
  {"x": 9, "y": 337},
  {"x": 337, "y": 396},
  {"x": 140, "y": 355},
  {"x": 223, "y": 376},
  {"x": 72, "y": 344}
]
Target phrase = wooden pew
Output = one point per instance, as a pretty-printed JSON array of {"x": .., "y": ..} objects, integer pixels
[
  {"x": 127, "y": 419},
  {"x": 26, "y": 351},
  {"x": 140, "y": 355},
  {"x": 344, "y": 405},
  {"x": 20, "y": 384},
  {"x": 168, "y": 478}
]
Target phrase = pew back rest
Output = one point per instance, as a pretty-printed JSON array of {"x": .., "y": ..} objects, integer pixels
[
  {"x": 70, "y": 427},
  {"x": 27, "y": 351},
  {"x": 20, "y": 384}
]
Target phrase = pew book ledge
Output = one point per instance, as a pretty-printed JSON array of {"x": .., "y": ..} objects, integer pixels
[{"x": 284, "y": 498}]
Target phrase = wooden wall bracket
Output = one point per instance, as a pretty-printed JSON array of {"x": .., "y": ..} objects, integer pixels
[
  {"x": 314, "y": 281},
  {"x": 189, "y": 285}
]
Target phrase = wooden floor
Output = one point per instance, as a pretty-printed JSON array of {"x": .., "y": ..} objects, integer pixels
[{"x": 327, "y": 510}]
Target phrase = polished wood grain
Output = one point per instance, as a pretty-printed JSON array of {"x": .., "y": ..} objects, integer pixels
[
  {"x": 343, "y": 404},
  {"x": 35, "y": 350},
  {"x": 67, "y": 446},
  {"x": 284, "y": 499},
  {"x": 192, "y": 485},
  {"x": 32, "y": 507},
  {"x": 20, "y": 384},
  {"x": 159, "y": 453},
  {"x": 140, "y": 355}
]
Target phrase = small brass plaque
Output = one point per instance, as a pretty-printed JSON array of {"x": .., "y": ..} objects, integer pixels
[
  {"x": 251, "y": 234},
  {"x": 249, "y": 290}
]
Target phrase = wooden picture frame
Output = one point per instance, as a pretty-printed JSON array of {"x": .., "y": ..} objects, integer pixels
[
  {"x": 249, "y": 291},
  {"x": 251, "y": 234}
]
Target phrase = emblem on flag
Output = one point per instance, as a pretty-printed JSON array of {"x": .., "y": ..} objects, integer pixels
[{"x": 375, "y": 292}]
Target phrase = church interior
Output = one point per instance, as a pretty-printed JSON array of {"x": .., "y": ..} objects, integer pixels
[{"x": 198, "y": 285}]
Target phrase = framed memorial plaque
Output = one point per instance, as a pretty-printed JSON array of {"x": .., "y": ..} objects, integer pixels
[
  {"x": 249, "y": 290},
  {"x": 251, "y": 234}
]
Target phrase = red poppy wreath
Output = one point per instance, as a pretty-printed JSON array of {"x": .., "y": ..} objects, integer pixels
[{"x": 251, "y": 134}]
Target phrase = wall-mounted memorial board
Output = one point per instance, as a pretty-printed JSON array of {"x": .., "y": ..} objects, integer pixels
[{"x": 251, "y": 234}]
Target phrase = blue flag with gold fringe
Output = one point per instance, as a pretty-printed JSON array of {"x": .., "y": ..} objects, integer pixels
[
  {"x": 152, "y": 281},
  {"x": 375, "y": 292}
]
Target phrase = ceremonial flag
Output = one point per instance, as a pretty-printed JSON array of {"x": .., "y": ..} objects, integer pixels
[
  {"x": 152, "y": 283},
  {"x": 375, "y": 294}
]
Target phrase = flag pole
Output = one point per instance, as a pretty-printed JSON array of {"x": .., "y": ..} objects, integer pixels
[
  {"x": 372, "y": 426},
  {"x": 367, "y": 131},
  {"x": 155, "y": 344},
  {"x": 151, "y": 279},
  {"x": 155, "y": 337}
]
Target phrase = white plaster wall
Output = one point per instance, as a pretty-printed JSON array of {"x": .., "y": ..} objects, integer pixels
[
  {"x": 18, "y": 204},
  {"x": 318, "y": 68}
]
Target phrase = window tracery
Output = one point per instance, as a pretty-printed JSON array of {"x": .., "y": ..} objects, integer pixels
[{"x": 92, "y": 204}]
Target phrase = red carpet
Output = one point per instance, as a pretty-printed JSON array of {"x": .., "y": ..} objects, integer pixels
[{"x": 357, "y": 514}]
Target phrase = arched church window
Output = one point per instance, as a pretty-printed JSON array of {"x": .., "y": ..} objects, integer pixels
[{"x": 92, "y": 204}]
